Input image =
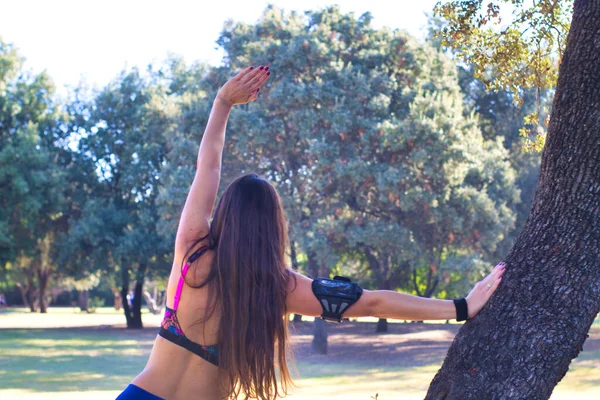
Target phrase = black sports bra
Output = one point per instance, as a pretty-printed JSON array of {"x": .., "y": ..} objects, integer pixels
[{"x": 170, "y": 329}]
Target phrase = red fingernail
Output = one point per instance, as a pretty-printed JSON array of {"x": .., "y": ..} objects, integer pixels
[
  {"x": 251, "y": 67},
  {"x": 268, "y": 73},
  {"x": 261, "y": 67},
  {"x": 266, "y": 68}
]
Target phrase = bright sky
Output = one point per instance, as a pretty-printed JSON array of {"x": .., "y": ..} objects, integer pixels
[{"x": 95, "y": 40}]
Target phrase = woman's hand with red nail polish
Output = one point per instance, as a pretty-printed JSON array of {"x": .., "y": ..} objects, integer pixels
[{"x": 243, "y": 88}]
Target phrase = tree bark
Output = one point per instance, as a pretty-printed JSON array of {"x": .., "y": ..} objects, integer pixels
[
  {"x": 382, "y": 325},
  {"x": 83, "y": 297},
  {"x": 319, "y": 329},
  {"x": 133, "y": 314},
  {"x": 43, "y": 285},
  {"x": 118, "y": 303},
  {"x": 30, "y": 293},
  {"x": 521, "y": 344},
  {"x": 294, "y": 258},
  {"x": 124, "y": 294},
  {"x": 383, "y": 282},
  {"x": 152, "y": 301},
  {"x": 23, "y": 291},
  {"x": 136, "y": 320},
  {"x": 43, "y": 269}
]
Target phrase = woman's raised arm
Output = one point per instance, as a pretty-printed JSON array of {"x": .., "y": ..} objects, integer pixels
[{"x": 194, "y": 221}]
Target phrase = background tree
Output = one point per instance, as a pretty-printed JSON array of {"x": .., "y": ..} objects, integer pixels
[
  {"x": 32, "y": 197},
  {"x": 122, "y": 134},
  {"x": 550, "y": 293},
  {"x": 499, "y": 117},
  {"x": 414, "y": 183}
]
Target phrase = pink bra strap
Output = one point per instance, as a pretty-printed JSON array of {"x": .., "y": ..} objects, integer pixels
[{"x": 180, "y": 286}]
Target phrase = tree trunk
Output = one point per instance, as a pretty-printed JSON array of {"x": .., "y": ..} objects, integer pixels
[
  {"x": 133, "y": 314},
  {"x": 319, "y": 329},
  {"x": 23, "y": 291},
  {"x": 294, "y": 258},
  {"x": 136, "y": 312},
  {"x": 151, "y": 302},
  {"x": 382, "y": 325},
  {"x": 31, "y": 300},
  {"x": 124, "y": 294},
  {"x": 43, "y": 268},
  {"x": 118, "y": 303},
  {"x": 83, "y": 297},
  {"x": 521, "y": 344},
  {"x": 43, "y": 285}
]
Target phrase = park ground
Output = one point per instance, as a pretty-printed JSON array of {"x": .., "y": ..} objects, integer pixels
[{"x": 70, "y": 355}]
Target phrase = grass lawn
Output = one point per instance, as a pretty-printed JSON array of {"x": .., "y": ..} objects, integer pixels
[{"x": 98, "y": 360}]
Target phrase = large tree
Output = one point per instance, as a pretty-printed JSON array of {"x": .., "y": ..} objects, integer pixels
[
  {"x": 499, "y": 117},
  {"x": 521, "y": 344}
]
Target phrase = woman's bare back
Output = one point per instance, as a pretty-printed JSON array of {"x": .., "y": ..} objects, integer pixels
[{"x": 173, "y": 372}]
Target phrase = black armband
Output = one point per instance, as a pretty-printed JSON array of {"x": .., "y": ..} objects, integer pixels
[
  {"x": 335, "y": 296},
  {"x": 462, "y": 311}
]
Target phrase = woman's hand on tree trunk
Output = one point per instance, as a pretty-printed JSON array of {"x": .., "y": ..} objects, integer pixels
[{"x": 484, "y": 289}]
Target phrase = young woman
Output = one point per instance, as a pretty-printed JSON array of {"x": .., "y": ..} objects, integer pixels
[{"x": 225, "y": 334}]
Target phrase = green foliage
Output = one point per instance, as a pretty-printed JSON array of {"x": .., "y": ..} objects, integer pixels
[
  {"x": 33, "y": 198},
  {"x": 512, "y": 45},
  {"x": 94, "y": 303},
  {"x": 420, "y": 182},
  {"x": 383, "y": 172},
  {"x": 363, "y": 133},
  {"x": 499, "y": 118},
  {"x": 123, "y": 137}
]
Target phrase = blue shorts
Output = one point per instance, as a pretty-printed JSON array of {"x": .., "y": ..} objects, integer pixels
[{"x": 133, "y": 392}]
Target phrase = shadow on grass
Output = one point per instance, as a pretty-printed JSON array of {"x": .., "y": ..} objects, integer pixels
[
  {"x": 85, "y": 359},
  {"x": 403, "y": 346},
  {"x": 57, "y": 360}
]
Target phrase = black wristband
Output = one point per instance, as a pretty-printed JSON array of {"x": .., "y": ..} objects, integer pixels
[{"x": 462, "y": 311}]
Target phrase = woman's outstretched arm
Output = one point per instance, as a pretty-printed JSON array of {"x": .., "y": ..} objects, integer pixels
[
  {"x": 389, "y": 304},
  {"x": 194, "y": 221}
]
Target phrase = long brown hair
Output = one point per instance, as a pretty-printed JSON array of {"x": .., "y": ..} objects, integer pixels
[{"x": 248, "y": 281}]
